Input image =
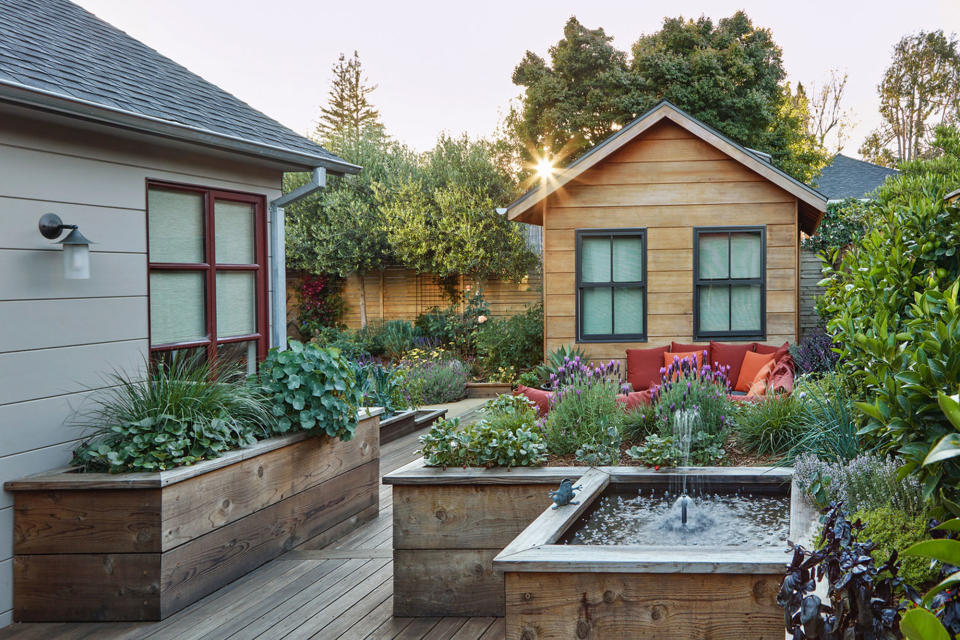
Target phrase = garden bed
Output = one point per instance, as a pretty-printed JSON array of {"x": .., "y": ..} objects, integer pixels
[
  {"x": 488, "y": 389},
  {"x": 406, "y": 422},
  {"x": 141, "y": 546}
]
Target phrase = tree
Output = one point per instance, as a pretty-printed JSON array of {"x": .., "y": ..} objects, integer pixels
[
  {"x": 348, "y": 111},
  {"x": 829, "y": 122},
  {"x": 443, "y": 221},
  {"x": 729, "y": 75},
  {"x": 577, "y": 100},
  {"x": 918, "y": 92}
]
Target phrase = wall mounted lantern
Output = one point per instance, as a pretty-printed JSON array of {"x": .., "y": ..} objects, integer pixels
[{"x": 76, "y": 248}]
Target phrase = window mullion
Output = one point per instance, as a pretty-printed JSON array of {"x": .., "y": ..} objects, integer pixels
[{"x": 210, "y": 245}]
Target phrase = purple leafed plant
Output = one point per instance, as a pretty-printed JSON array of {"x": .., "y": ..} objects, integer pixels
[{"x": 815, "y": 354}]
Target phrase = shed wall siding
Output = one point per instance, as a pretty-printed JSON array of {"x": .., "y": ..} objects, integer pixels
[
  {"x": 669, "y": 182},
  {"x": 811, "y": 272},
  {"x": 60, "y": 336}
]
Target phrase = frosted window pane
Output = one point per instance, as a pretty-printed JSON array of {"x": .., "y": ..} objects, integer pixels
[
  {"x": 713, "y": 255},
  {"x": 234, "y": 232},
  {"x": 628, "y": 310},
  {"x": 746, "y": 308},
  {"x": 176, "y": 226},
  {"x": 597, "y": 311},
  {"x": 595, "y": 260},
  {"x": 236, "y": 303},
  {"x": 714, "y": 309},
  {"x": 627, "y": 259},
  {"x": 745, "y": 255},
  {"x": 177, "y": 307}
]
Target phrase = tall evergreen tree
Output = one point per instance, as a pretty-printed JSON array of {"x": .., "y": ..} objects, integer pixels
[{"x": 348, "y": 111}]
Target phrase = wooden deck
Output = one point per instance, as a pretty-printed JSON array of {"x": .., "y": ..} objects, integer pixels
[{"x": 343, "y": 590}]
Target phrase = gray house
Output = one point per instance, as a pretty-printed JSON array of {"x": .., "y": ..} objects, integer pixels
[{"x": 176, "y": 183}]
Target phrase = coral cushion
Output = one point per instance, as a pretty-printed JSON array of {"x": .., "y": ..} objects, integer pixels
[
  {"x": 730, "y": 355},
  {"x": 635, "y": 399},
  {"x": 668, "y": 358},
  {"x": 762, "y": 380},
  {"x": 752, "y": 364},
  {"x": 778, "y": 352},
  {"x": 539, "y": 397},
  {"x": 676, "y": 347},
  {"x": 643, "y": 367}
]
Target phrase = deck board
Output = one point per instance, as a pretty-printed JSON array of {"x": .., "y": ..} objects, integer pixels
[{"x": 341, "y": 589}]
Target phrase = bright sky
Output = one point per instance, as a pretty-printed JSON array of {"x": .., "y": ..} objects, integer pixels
[{"x": 446, "y": 65}]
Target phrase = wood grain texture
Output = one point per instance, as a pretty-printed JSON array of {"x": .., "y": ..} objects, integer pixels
[
  {"x": 665, "y": 606},
  {"x": 460, "y": 582},
  {"x": 464, "y": 516}
]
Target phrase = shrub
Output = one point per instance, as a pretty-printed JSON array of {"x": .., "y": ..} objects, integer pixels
[
  {"x": 176, "y": 415},
  {"x": 583, "y": 408},
  {"x": 515, "y": 343},
  {"x": 640, "y": 422},
  {"x": 684, "y": 386},
  {"x": 663, "y": 451},
  {"x": 321, "y": 304},
  {"x": 842, "y": 225},
  {"x": 866, "y": 483},
  {"x": 509, "y": 405},
  {"x": 529, "y": 379},
  {"x": 454, "y": 329},
  {"x": 892, "y": 529},
  {"x": 347, "y": 342},
  {"x": 814, "y": 353},
  {"x": 484, "y": 444},
  {"x": 313, "y": 389},
  {"x": 432, "y": 380},
  {"x": 771, "y": 426},
  {"x": 602, "y": 452},
  {"x": 397, "y": 337},
  {"x": 378, "y": 387},
  {"x": 554, "y": 371}
]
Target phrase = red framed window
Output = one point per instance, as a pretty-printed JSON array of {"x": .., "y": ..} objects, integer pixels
[{"x": 207, "y": 263}]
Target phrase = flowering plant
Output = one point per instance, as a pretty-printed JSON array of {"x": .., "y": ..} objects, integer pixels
[
  {"x": 814, "y": 353},
  {"x": 684, "y": 385},
  {"x": 584, "y": 407}
]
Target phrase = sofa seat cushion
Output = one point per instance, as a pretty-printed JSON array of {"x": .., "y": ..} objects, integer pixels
[
  {"x": 643, "y": 367},
  {"x": 635, "y": 399}
]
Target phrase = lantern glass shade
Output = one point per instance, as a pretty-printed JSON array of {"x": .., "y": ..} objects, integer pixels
[{"x": 76, "y": 256}]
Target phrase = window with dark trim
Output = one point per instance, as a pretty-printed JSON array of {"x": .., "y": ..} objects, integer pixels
[
  {"x": 730, "y": 284},
  {"x": 207, "y": 263},
  {"x": 611, "y": 266}
]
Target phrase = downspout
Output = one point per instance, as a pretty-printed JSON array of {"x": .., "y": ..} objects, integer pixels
[{"x": 278, "y": 255}]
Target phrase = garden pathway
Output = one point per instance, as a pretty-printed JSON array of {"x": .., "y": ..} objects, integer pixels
[{"x": 343, "y": 590}]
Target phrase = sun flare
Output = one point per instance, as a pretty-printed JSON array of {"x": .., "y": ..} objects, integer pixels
[{"x": 544, "y": 167}]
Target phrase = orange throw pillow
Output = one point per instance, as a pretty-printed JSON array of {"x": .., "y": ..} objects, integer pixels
[
  {"x": 752, "y": 364},
  {"x": 762, "y": 381},
  {"x": 668, "y": 359}
]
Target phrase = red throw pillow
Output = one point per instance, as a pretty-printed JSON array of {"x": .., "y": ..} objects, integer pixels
[
  {"x": 778, "y": 352},
  {"x": 752, "y": 364},
  {"x": 635, "y": 399},
  {"x": 668, "y": 359},
  {"x": 729, "y": 355},
  {"x": 643, "y": 367},
  {"x": 676, "y": 347},
  {"x": 539, "y": 397}
]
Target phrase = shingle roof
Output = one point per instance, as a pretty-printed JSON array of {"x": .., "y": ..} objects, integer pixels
[
  {"x": 847, "y": 177},
  {"x": 57, "y": 47}
]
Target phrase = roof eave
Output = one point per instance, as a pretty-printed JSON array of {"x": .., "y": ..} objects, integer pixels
[{"x": 49, "y": 101}]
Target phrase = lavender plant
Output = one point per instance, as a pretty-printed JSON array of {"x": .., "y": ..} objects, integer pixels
[
  {"x": 686, "y": 386},
  {"x": 432, "y": 381},
  {"x": 867, "y": 482},
  {"x": 584, "y": 406}
]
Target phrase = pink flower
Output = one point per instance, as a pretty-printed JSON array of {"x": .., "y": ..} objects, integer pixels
[{"x": 481, "y": 319}]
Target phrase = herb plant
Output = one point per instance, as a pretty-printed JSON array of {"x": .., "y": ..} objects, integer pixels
[
  {"x": 602, "y": 452},
  {"x": 313, "y": 389},
  {"x": 584, "y": 407},
  {"x": 686, "y": 386}
]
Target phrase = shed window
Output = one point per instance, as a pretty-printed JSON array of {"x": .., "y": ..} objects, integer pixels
[
  {"x": 207, "y": 263},
  {"x": 729, "y": 282},
  {"x": 611, "y": 285}
]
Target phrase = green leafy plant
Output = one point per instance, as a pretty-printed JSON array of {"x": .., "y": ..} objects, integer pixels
[
  {"x": 177, "y": 414},
  {"x": 832, "y": 429},
  {"x": 432, "y": 380},
  {"x": 936, "y": 616},
  {"x": 583, "y": 409},
  {"x": 550, "y": 371},
  {"x": 515, "y": 343},
  {"x": 640, "y": 422},
  {"x": 484, "y": 444},
  {"x": 891, "y": 529},
  {"x": 378, "y": 387},
  {"x": 397, "y": 337},
  {"x": 686, "y": 386},
  {"x": 313, "y": 389},
  {"x": 602, "y": 452},
  {"x": 664, "y": 451},
  {"x": 529, "y": 379},
  {"x": 865, "y": 483},
  {"x": 773, "y": 425}
]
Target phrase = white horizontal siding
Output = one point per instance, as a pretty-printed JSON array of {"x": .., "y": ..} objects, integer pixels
[
  {"x": 34, "y": 424},
  {"x": 112, "y": 230},
  {"x": 6, "y": 592}
]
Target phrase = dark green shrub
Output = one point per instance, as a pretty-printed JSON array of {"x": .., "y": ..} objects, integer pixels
[
  {"x": 773, "y": 425},
  {"x": 482, "y": 445},
  {"x": 397, "y": 337},
  {"x": 842, "y": 225},
  {"x": 313, "y": 389},
  {"x": 379, "y": 387},
  {"x": 516, "y": 342},
  {"x": 892, "y": 529},
  {"x": 551, "y": 372},
  {"x": 176, "y": 415},
  {"x": 432, "y": 380},
  {"x": 346, "y": 341}
]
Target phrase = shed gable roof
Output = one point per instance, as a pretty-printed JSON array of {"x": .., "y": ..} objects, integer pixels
[
  {"x": 56, "y": 55},
  {"x": 812, "y": 203}
]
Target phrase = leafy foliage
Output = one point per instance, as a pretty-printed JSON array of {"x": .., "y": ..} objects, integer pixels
[
  {"x": 771, "y": 426},
  {"x": 684, "y": 386},
  {"x": 321, "y": 304},
  {"x": 814, "y": 353},
  {"x": 313, "y": 389},
  {"x": 832, "y": 428},
  {"x": 864, "y": 597},
  {"x": 640, "y": 422},
  {"x": 603, "y": 451},
  {"x": 937, "y": 614},
  {"x": 865, "y": 483},
  {"x": 515, "y": 343},
  {"x": 664, "y": 451},
  {"x": 379, "y": 387},
  {"x": 432, "y": 380},
  {"x": 349, "y": 110},
  {"x": 175, "y": 415},
  {"x": 893, "y": 529},
  {"x": 556, "y": 370},
  {"x": 843, "y": 224},
  {"x": 584, "y": 408},
  {"x": 506, "y": 437}
]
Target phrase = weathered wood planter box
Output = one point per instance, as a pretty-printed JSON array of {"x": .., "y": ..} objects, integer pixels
[
  {"x": 406, "y": 422},
  {"x": 488, "y": 389},
  {"x": 140, "y": 546}
]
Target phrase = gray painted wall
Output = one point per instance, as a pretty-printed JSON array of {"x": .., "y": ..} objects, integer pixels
[{"x": 58, "y": 337}]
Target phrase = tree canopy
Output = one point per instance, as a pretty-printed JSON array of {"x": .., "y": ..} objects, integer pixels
[
  {"x": 728, "y": 74},
  {"x": 348, "y": 111}
]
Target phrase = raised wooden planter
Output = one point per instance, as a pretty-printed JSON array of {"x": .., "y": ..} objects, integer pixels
[
  {"x": 407, "y": 422},
  {"x": 488, "y": 389},
  {"x": 140, "y": 546}
]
